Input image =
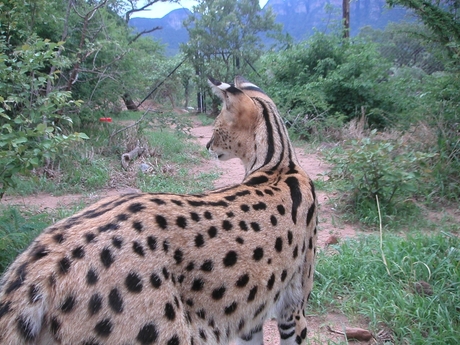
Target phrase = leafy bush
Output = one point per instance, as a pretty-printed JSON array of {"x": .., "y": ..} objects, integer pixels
[
  {"x": 33, "y": 124},
  {"x": 16, "y": 232},
  {"x": 372, "y": 168}
]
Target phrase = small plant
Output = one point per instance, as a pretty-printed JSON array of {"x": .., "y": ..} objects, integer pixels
[
  {"x": 356, "y": 281},
  {"x": 371, "y": 168}
]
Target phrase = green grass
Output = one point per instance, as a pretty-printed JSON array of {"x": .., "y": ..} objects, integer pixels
[
  {"x": 18, "y": 227},
  {"x": 355, "y": 281}
]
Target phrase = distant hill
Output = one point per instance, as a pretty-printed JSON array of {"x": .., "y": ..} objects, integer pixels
[{"x": 300, "y": 18}]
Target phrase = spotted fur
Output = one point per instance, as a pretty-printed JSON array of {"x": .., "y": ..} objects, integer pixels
[{"x": 179, "y": 269}]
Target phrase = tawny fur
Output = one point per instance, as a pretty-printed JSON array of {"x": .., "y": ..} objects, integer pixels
[{"x": 179, "y": 269}]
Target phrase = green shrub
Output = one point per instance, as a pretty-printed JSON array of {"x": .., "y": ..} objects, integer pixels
[{"x": 372, "y": 168}]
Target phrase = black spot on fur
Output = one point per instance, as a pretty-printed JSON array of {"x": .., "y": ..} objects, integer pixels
[
  {"x": 108, "y": 227},
  {"x": 289, "y": 236},
  {"x": 303, "y": 334},
  {"x": 207, "y": 215},
  {"x": 68, "y": 304},
  {"x": 257, "y": 180},
  {"x": 283, "y": 275},
  {"x": 64, "y": 265},
  {"x": 255, "y": 226},
  {"x": 201, "y": 314},
  {"x": 174, "y": 340},
  {"x": 116, "y": 300},
  {"x": 20, "y": 278},
  {"x": 271, "y": 281},
  {"x": 152, "y": 243},
  {"x": 227, "y": 225},
  {"x": 285, "y": 336},
  {"x": 310, "y": 213},
  {"x": 181, "y": 222},
  {"x": 244, "y": 208},
  {"x": 138, "y": 248},
  {"x": 190, "y": 266},
  {"x": 39, "y": 252},
  {"x": 133, "y": 282},
  {"x": 4, "y": 308},
  {"x": 138, "y": 226},
  {"x": 242, "y": 280},
  {"x": 117, "y": 242},
  {"x": 207, "y": 266},
  {"x": 252, "y": 294},
  {"x": 259, "y": 206},
  {"x": 240, "y": 240},
  {"x": 55, "y": 325},
  {"x": 91, "y": 277},
  {"x": 218, "y": 293},
  {"x": 34, "y": 294},
  {"x": 259, "y": 193},
  {"x": 178, "y": 256},
  {"x": 136, "y": 207},
  {"x": 161, "y": 221},
  {"x": 104, "y": 328},
  {"x": 231, "y": 308},
  {"x": 310, "y": 243},
  {"x": 281, "y": 209},
  {"x": 155, "y": 280},
  {"x": 95, "y": 304},
  {"x": 296, "y": 196},
  {"x": 58, "y": 238},
  {"x": 199, "y": 240},
  {"x": 195, "y": 217},
  {"x": 170, "y": 313},
  {"x": 197, "y": 284},
  {"x": 273, "y": 220},
  {"x": 212, "y": 232},
  {"x": 78, "y": 253},
  {"x": 148, "y": 334},
  {"x": 177, "y": 202},
  {"x": 89, "y": 237},
  {"x": 279, "y": 244},
  {"x": 295, "y": 252},
  {"x": 243, "y": 225},
  {"x": 122, "y": 217},
  {"x": 107, "y": 258},
  {"x": 259, "y": 309},
  {"x": 268, "y": 192},
  {"x": 258, "y": 253},
  {"x": 230, "y": 258},
  {"x": 158, "y": 201},
  {"x": 25, "y": 329},
  {"x": 165, "y": 246}
]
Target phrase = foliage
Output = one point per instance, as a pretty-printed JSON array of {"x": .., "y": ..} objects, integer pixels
[
  {"x": 372, "y": 168},
  {"x": 356, "y": 281},
  {"x": 33, "y": 125},
  {"x": 16, "y": 232},
  {"x": 442, "y": 17},
  {"x": 225, "y": 38},
  {"x": 324, "y": 77}
]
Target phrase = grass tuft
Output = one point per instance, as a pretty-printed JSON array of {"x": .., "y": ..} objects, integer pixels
[{"x": 356, "y": 282}]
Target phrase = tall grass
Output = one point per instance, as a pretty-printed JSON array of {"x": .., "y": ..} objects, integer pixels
[{"x": 355, "y": 281}]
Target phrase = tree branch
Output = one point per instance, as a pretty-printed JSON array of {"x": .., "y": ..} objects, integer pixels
[{"x": 144, "y": 32}]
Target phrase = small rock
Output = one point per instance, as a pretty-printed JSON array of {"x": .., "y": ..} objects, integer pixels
[
  {"x": 423, "y": 288},
  {"x": 331, "y": 240}
]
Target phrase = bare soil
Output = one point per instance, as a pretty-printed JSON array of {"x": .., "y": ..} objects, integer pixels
[{"x": 331, "y": 228}]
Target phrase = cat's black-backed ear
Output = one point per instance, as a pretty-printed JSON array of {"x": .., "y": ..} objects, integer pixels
[
  {"x": 226, "y": 92},
  {"x": 245, "y": 85}
]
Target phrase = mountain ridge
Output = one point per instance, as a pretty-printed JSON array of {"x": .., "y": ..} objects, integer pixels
[{"x": 300, "y": 19}]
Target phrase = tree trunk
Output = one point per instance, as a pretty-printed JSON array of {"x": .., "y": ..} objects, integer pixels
[{"x": 130, "y": 105}]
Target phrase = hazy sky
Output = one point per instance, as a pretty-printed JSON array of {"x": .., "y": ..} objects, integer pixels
[{"x": 160, "y": 9}]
